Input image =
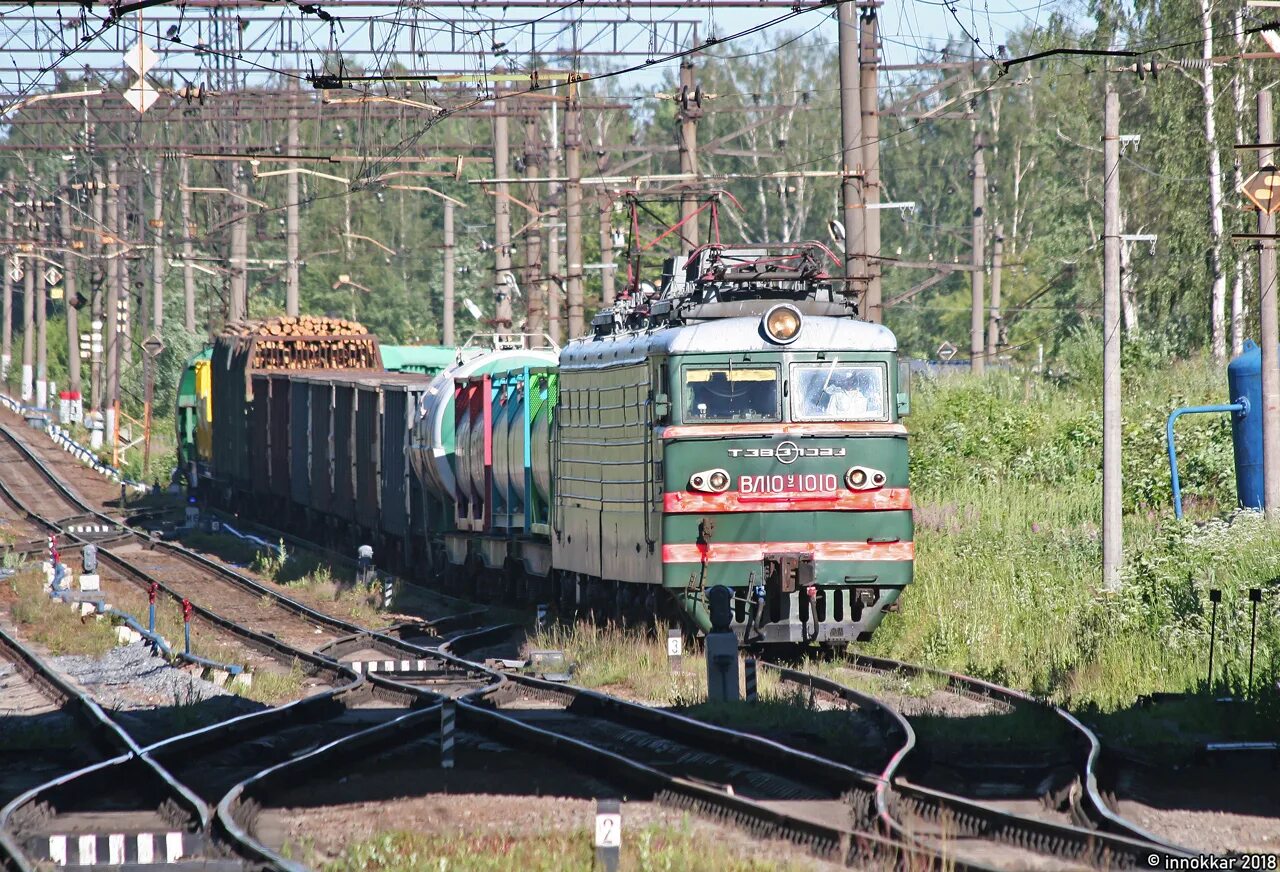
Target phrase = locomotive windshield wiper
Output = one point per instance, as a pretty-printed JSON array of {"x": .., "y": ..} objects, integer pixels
[{"x": 831, "y": 370}]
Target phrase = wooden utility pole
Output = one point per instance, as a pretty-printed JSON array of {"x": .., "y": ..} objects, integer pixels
[
  {"x": 688, "y": 110},
  {"x": 6, "y": 330},
  {"x": 238, "y": 305},
  {"x": 449, "y": 269},
  {"x": 42, "y": 321},
  {"x": 997, "y": 265},
  {"x": 977, "y": 348},
  {"x": 504, "y": 314},
  {"x": 69, "y": 285},
  {"x": 534, "y": 156},
  {"x": 111, "y": 311},
  {"x": 157, "y": 240},
  {"x": 851, "y": 193},
  {"x": 868, "y": 65},
  {"x": 1112, "y": 529},
  {"x": 1269, "y": 329},
  {"x": 188, "y": 252},
  {"x": 573, "y": 211},
  {"x": 291, "y": 213}
]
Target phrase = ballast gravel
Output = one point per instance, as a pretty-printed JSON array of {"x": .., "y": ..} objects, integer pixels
[{"x": 131, "y": 677}]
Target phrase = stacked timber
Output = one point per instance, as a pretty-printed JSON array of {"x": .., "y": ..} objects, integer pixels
[
  {"x": 303, "y": 343},
  {"x": 304, "y": 325}
]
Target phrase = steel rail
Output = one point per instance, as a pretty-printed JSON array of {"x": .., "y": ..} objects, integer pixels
[
  {"x": 288, "y": 603},
  {"x": 346, "y": 627},
  {"x": 276, "y": 648},
  {"x": 1127, "y": 838},
  {"x": 255, "y": 723},
  {"x": 238, "y": 804},
  {"x": 854, "y": 843},
  {"x": 478, "y": 638},
  {"x": 268, "y": 644},
  {"x": 130, "y": 752},
  {"x": 1103, "y": 850}
]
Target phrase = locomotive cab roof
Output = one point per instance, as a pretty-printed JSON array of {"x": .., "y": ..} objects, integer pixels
[
  {"x": 723, "y": 281},
  {"x": 724, "y": 336}
]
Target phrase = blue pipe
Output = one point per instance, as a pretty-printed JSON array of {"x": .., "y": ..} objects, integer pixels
[
  {"x": 155, "y": 639},
  {"x": 1240, "y": 407},
  {"x": 132, "y": 623}
]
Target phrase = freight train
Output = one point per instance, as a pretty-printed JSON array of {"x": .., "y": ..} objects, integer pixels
[{"x": 739, "y": 428}]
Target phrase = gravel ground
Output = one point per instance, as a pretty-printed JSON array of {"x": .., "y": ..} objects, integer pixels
[{"x": 130, "y": 677}]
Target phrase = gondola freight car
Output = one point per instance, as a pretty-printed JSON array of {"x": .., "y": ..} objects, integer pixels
[{"x": 194, "y": 406}]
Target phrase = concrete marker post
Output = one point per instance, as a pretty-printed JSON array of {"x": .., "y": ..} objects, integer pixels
[
  {"x": 448, "y": 718},
  {"x": 608, "y": 834},
  {"x": 151, "y": 612},
  {"x": 675, "y": 647}
]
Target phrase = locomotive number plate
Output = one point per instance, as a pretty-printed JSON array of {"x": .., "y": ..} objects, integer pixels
[{"x": 807, "y": 484}]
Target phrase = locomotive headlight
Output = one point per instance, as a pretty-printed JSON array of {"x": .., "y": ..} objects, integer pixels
[
  {"x": 782, "y": 324},
  {"x": 862, "y": 478},
  {"x": 714, "y": 481}
]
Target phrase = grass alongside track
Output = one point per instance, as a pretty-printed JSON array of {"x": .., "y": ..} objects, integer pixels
[
  {"x": 629, "y": 662},
  {"x": 50, "y": 623},
  {"x": 1006, "y": 474},
  {"x": 648, "y": 847}
]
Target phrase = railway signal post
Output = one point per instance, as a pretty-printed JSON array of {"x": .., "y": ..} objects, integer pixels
[{"x": 722, "y": 647}]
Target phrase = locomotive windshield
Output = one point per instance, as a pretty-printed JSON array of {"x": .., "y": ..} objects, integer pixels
[
  {"x": 731, "y": 393},
  {"x": 838, "y": 391}
]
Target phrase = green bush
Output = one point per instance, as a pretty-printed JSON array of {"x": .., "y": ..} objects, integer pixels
[{"x": 1006, "y": 473}]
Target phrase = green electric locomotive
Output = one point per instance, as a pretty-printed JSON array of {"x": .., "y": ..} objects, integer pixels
[{"x": 740, "y": 429}]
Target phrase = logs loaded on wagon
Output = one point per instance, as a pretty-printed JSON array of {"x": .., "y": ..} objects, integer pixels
[
  {"x": 274, "y": 345},
  {"x": 306, "y": 342}
]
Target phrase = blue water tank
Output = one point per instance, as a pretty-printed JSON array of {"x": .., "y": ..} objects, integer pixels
[{"x": 1244, "y": 381}]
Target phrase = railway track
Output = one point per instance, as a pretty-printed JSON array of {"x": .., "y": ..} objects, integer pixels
[
  {"x": 47, "y": 726},
  {"x": 107, "y": 811},
  {"x": 833, "y": 808},
  {"x": 769, "y": 788},
  {"x": 81, "y": 815},
  {"x": 1083, "y": 831}
]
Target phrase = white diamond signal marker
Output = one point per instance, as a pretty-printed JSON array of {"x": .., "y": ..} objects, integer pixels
[
  {"x": 141, "y": 95},
  {"x": 140, "y": 58},
  {"x": 52, "y": 276}
]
